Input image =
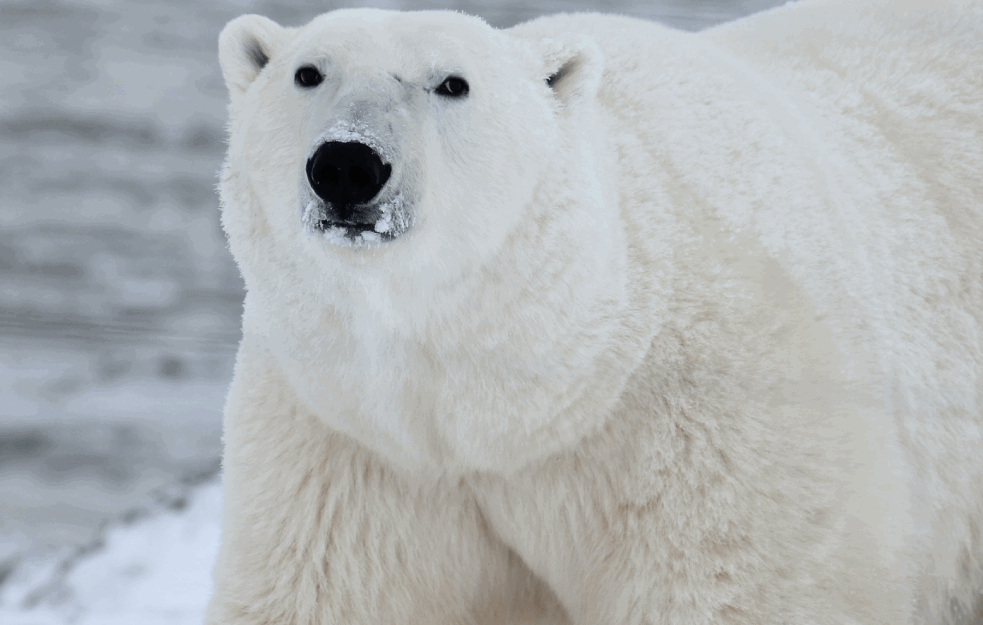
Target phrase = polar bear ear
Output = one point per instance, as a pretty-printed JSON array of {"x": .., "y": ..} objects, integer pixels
[
  {"x": 245, "y": 46},
  {"x": 570, "y": 64}
]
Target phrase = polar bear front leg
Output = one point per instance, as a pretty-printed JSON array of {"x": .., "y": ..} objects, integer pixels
[
  {"x": 676, "y": 523},
  {"x": 316, "y": 530}
]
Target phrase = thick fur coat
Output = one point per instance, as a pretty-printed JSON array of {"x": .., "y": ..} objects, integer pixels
[{"x": 674, "y": 328}]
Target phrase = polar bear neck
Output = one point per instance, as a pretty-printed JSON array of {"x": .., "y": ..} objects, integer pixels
[{"x": 508, "y": 362}]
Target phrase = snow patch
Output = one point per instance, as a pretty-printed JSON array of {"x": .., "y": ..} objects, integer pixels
[
  {"x": 393, "y": 222},
  {"x": 357, "y": 132},
  {"x": 312, "y": 215},
  {"x": 154, "y": 571}
]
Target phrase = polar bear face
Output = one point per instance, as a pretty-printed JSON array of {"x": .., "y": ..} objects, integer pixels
[
  {"x": 366, "y": 126},
  {"x": 399, "y": 188}
]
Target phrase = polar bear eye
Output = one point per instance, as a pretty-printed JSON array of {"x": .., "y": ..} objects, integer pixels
[
  {"x": 453, "y": 87},
  {"x": 307, "y": 77}
]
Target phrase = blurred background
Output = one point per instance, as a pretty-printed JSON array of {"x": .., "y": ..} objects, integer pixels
[{"x": 119, "y": 301}]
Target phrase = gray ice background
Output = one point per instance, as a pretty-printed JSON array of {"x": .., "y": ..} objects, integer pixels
[{"x": 119, "y": 302}]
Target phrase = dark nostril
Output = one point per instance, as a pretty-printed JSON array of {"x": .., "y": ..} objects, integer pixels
[
  {"x": 346, "y": 173},
  {"x": 359, "y": 176}
]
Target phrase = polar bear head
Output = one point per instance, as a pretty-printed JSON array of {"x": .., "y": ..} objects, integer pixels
[
  {"x": 366, "y": 129},
  {"x": 400, "y": 192}
]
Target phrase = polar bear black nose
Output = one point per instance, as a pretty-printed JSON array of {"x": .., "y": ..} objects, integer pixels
[{"x": 346, "y": 173}]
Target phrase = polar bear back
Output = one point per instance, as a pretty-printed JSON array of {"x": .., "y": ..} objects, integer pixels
[
  {"x": 851, "y": 149},
  {"x": 846, "y": 139},
  {"x": 900, "y": 85},
  {"x": 878, "y": 119}
]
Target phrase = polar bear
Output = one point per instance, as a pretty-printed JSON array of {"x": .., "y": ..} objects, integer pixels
[{"x": 592, "y": 321}]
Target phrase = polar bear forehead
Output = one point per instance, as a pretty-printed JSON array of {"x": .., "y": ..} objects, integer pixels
[
  {"x": 388, "y": 21},
  {"x": 431, "y": 37}
]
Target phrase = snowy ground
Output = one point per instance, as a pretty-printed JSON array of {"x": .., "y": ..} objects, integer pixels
[
  {"x": 152, "y": 569},
  {"x": 119, "y": 303}
]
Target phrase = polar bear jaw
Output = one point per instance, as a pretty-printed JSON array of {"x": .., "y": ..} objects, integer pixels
[{"x": 383, "y": 218}]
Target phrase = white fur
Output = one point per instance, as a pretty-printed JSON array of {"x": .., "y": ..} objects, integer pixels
[{"x": 693, "y": 336}]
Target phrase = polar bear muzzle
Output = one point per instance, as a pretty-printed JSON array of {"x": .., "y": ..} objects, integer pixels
[{"x": 346, "y": 176}]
